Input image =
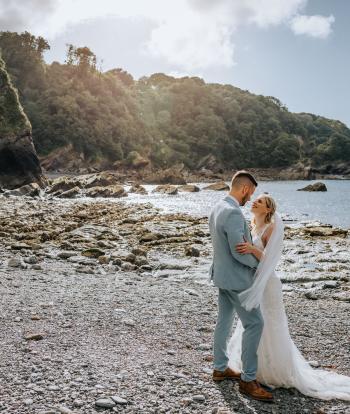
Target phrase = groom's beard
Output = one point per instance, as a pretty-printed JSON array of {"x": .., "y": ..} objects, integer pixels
[{"x": 244, "y": 200}]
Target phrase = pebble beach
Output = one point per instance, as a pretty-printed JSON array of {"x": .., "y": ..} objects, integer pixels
[{"x": 105, "y": 307}]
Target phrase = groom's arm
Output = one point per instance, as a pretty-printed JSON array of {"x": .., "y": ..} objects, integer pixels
[{"x": 234, "y": 228}]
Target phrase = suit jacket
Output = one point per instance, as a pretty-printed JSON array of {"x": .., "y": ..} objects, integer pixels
[{"x": 230, "y": 270}]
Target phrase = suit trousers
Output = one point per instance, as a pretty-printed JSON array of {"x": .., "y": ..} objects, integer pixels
[{"x": 253, "y": 324}]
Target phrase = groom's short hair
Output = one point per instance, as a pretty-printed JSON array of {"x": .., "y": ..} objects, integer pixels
[{"x": 243, "y": 177}]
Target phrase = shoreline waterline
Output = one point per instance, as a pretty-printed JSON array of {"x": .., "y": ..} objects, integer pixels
[{"x": 297, "y": 208}]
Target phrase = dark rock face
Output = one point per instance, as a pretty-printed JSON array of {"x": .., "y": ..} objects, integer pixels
[{"x": 19, "y": 164}]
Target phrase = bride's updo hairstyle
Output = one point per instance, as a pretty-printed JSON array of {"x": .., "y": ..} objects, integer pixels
[{"x": 271, "y": 205}]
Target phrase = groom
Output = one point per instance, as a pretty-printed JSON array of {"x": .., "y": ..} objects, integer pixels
[{"x": 232, "y": 273}]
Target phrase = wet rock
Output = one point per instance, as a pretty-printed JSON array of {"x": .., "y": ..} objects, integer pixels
[
  {"x": 93, "y": 252},
  {"x": 34, "y": 337},
  {"x": 15, "y": 262},
  {"x": 331, "y": 284},
  {"x": 311, "y": 295},
  {"x": 30, "y": 190},
  {"x": 220, "y": 186},
  {"x": 105, "y": 403},
  {"x": 314, "y": 187},
  {"x": 138, "y": 251},
  {"x": 128, "y": 267},
  {"x": 102, "y": 179},
  {"x": 141, "y": 261},
  {"x": 72, "y": 193},
  {"x": 117, "y": 262},
  {"x": 138, "y": 189},
  {"x": 31, "y": 260},
  {"x": 66, "y": 254},
  {"x": 192, "y": 292},
  {"x": 314, "y": 364},
  {"x": 104, "y": 259},
  {"x": 119, "y": 400},
  {"x": 189, "y": 188},
  {"x": 123, "y": 256},
  {"x": 198, "y": 398},
  {"x": 85, "y": 269},
  {"x": 166, "y": 189},
  {"x": 114, "y": 191},
  {"x": 78, "y": 403},
  {"x": 192, "y": 251},
  {"x": 20, "y": 246},
  {"x": 204, "y": 347},
  {"x": 129, "y": 322},
  {"x": 149, "y": 237},
  {"x": 324, "y": 231},
  {"x": 63, "y": 184},
  {"x": 342, "y": 296},
  {"x": 64, "y": 410}
]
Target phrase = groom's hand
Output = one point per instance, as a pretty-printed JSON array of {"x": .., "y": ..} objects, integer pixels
[{"x": 245, "y": 247}]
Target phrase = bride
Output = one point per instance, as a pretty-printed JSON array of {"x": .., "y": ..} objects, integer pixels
[{"x": 280, "y": 362}]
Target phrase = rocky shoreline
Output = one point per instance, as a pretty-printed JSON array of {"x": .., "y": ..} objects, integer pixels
[
  {"x": 209, "y": 172},
  {"x": 105, "y": 306}
]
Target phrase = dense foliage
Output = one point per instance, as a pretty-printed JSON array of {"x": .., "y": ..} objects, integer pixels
[
  {"x": 13, "y": 121},
  {"x": 110, "y": 115}
]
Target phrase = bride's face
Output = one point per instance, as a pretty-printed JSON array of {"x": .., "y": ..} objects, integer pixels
[{"x": 259, "y": 206}]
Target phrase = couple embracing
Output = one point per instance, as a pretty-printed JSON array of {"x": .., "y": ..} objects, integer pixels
[{"x": 261, "y": 353}]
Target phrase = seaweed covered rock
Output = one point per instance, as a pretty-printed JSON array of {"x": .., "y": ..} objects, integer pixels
[
  {"x": 314, "y": 187},
  {"x": 19, "y": 164}
]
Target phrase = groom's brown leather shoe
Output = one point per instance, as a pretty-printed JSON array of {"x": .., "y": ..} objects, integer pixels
[
  {"x": 254, "y": 390},
  {"x": 229, "y": 374}
]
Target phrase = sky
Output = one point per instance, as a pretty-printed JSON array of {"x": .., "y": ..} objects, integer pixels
[{"x": 295, "y": 50}]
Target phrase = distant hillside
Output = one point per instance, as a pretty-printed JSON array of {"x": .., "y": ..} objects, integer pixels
[{"x": 94, "y": 118}]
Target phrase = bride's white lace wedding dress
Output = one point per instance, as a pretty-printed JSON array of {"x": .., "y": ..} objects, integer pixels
[{"x": 280, "y": 364}]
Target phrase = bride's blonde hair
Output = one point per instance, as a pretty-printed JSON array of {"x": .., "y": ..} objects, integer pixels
[{"x": 271, "y": 205}]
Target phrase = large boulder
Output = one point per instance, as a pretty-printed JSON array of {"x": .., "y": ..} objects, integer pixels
[
  {"x": 64, "y": 183},
  {"x": 30, "y": 190},
  {"x": 102, "y": 179},
  {"x": 72, "y": 193},
  {"x": 165, "y": 189},
  {"x": 114, "y": 191},
  {"x": 189, "y": 188},
  {"x": 325, "y": 231},
  {"x": 314, "y": 187},
  {"x": 221, "y": 186},
  {"x": 19, "y": 164},
  {"x": 138, "y": 189}
]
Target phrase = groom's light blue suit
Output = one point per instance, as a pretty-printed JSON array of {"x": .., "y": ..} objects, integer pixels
[{"x": 232, "y": 273}]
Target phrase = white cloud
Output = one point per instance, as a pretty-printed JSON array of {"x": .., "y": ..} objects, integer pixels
[
  {"x": 196, "y": 45},
  {"x": 314, "y": 26},
  {"x": 190, "y": 35},
  {"x": 24, "y": 15}
]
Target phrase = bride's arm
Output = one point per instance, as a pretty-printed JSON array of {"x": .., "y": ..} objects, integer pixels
[{"x": 248, "y": 248}]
